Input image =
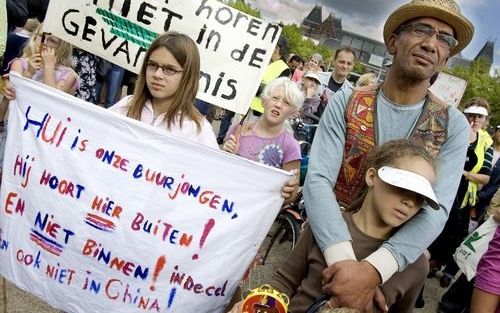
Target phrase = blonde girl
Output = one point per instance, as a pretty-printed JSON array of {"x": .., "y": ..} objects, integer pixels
[
  {"x": 267, "y": 140},
  {"x": 47, "y": 59}
]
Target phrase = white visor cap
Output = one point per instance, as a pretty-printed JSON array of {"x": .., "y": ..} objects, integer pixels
[
  {"x": 476, "y": 110},
  {"x": 409, "y": 181}
]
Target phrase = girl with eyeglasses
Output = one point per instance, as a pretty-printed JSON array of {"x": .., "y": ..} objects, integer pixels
[{"x": 166, "y": 88}]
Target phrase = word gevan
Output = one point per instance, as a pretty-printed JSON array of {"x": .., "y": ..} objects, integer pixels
[{"x": 72, "y": 21}]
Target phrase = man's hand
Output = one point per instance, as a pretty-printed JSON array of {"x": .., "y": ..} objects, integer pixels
[{"x": 352, "y": 284}]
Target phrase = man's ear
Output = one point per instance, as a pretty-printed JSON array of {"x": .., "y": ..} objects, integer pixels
[
  {"x": 370, "y": 175},
  {"x": 391, "y": 44}
]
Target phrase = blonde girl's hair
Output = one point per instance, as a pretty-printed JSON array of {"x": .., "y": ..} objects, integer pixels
[
  {"x": 185, "y": 52},
  {"x": 292, "y": 91},
  {"x": 63, "y": 51},
  {"x": 366, "y": 79},
  {"x": 31, "y": 25}
]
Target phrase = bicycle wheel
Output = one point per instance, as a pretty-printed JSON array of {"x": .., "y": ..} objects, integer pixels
[{"x": 275, "y": 249}]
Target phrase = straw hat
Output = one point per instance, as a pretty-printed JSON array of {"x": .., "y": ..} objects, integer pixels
[{"x": 443, "y": 10}]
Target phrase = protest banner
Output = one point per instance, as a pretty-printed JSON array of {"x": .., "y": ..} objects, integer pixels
[
  {"x": 449, "y": 88},
  {"x": 102, "y": 213},
  {"x": 235, "y": 48}
]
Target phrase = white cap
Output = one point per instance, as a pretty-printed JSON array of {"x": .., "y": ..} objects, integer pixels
[
  {"x": 314, "y": 76},
  {"x": 476, "y": 110},
  {"x": 409, "y": 181}
]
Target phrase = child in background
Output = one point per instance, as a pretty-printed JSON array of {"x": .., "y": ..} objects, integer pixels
[
  {"x": 266, "y": 140},
  {"x": 47, "y": 59},
  {"x": 398, "y": 183},
  {"x": 166, "y": 88},
  {"x": 314, "y": 63},
  {"x": 368, "y": 79},
  {"x": 310, "y": 86},
  {"x": 16, "y": 41}
]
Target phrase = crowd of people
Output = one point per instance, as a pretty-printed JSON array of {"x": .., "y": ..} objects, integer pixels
[{"x": 396, "y": 178}]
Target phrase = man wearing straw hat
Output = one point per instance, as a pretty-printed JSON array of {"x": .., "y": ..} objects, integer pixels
[{"x": 421, "y": 35}]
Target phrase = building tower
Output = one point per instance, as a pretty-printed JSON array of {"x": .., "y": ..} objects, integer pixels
[
  {"x": 310, "y": 26},
  {"x": 486, "y": 54}
]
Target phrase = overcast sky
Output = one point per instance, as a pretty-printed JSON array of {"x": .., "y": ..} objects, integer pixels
[{"x": 367, "y": 17}]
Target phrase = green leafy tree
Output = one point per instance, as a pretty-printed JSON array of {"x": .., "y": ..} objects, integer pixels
[
  {"x": 243, "y": 7},
  {"x": 359, "y": 68},
  {"x": 480, "y": 84},
  {"x": 304, "y": 47},
  {"x": 297, "y": 44}
]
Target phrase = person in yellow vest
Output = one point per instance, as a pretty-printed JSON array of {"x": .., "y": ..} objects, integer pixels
[
  {"x": 476, "y": 171},
  {"x": 277, "y": 68},
  {"x": 421, "y": 35}
]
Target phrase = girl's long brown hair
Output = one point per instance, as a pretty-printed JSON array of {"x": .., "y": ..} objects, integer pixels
[{"x": 186, "y": 53}]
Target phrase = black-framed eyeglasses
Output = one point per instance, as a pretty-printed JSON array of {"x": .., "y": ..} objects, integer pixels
[
  {"x": 44, "y": 35},
  {"x": 166, "y": 69},
  {"x": 425, "y": 31}
]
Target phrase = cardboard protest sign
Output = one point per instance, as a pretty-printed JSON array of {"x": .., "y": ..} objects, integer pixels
[
  {"x": 102, "y": 213},
  {"x": 449, "y": 88},
  {"x": 235, "y": 48}
]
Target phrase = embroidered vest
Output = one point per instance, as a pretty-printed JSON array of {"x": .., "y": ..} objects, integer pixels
[{"x": 430, "y": 131}]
